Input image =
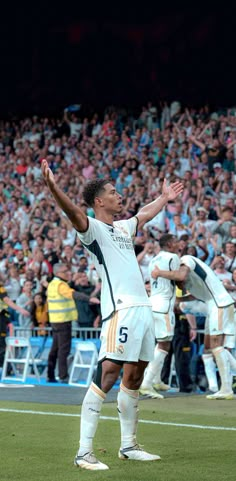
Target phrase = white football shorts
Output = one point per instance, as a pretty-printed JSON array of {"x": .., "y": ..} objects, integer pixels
[
  {"x": 220, "y": 320},
  {"x": 128, "y": 336},
  {"x": 164, "y": 325}
]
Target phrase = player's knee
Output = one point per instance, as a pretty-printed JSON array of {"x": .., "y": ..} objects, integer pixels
[
  {"x": 216, "y": 341},
  {"x": 106, "y": 375},
  {"x": 133, "y": 380},
  {"x": 164, "y": 346}
]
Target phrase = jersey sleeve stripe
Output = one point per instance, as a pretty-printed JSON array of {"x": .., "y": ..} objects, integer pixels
[{"x": 95, "y": 249}]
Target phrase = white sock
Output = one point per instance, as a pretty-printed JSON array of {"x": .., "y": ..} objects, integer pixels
[
  {"x": 222, "y": 362},
  {"x": 153, "y": 372},
  {"x": 159, "y": 357},
  {"x": 210, "y": 371},
  {"x": 90, "y": 413},
  {"x": 232, "y": 361},
  {"x": 127, "y": 404}
]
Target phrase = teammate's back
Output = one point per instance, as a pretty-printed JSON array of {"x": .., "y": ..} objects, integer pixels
[{"x": 203, "y": 283}]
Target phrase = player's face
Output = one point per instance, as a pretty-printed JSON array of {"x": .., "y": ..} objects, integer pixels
[
  {"x": 110, "y": 200},
  {"x": 174, "y": 245}
]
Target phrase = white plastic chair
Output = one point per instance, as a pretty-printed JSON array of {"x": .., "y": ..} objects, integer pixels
[
  {"x": 19, "y": 355},
  {"x": 84, "y": 364}
]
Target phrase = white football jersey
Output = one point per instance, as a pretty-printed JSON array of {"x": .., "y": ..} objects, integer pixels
[
  {"x": 112, "y": 252},
  {"x": 204, "y": 284},
  {"x": 163, "y": 290}
]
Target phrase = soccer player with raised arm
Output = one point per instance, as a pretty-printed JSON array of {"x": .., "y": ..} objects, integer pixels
[{"x": 127, "y": 336}]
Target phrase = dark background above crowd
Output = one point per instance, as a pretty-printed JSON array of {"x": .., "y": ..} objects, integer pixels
[{"x": 51, "y": 56}]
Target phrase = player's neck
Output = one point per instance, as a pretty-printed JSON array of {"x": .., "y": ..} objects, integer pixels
[{"x": 104, "y": 217}]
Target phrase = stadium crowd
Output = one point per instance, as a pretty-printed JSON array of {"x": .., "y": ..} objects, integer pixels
[{"x": 137, "y": 153}]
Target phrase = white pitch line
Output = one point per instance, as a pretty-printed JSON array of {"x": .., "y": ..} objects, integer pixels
[{"x": 110, "y": 418}]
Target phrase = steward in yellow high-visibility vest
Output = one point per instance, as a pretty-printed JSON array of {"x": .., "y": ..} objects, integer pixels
[
  {"x": 61, "y": 305},
  {"x": 62, "y": 311}
]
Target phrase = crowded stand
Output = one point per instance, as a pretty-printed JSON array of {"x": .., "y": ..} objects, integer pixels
[{"x": 196, "y": 146}]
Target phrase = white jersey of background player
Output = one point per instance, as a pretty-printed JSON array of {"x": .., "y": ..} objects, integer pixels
[
  {"x": 204, "y": 284},
  {"x": 163, "y": 290},
  {"x": 163, "y": 294},
  {"x": 201, "y": 282}
]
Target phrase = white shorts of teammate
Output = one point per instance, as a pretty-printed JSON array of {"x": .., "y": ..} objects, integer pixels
[
  {"x": 220, "y": 320},
  {"x": 164, "y": 325},
  {"x": 128, "y": 335}
]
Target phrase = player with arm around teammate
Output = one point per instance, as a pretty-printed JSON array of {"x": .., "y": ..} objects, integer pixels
[
  {"x": 127, "y": 334},
  {"x": 163, "y": 294},
  {"x": 202, "y": 284}
]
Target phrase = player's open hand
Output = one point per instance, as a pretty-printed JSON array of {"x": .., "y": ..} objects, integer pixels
[
  {"x": 47, "y": 173},
  {"x": 173, "y": 190}
]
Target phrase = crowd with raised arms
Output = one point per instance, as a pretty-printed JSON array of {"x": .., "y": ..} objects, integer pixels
[{"x": 137, "y": 151}]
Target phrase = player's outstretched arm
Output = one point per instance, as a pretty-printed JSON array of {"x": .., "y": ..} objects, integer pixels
[
  {"x": 73, "y": 212},
  {"x": 169, "y": 192},
  {"x": 178, "y": 275}
]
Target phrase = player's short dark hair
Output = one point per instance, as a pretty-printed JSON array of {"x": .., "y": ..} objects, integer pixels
[
  {"x": 165, "y": 239},
  {"x": 92, "y": 189}
]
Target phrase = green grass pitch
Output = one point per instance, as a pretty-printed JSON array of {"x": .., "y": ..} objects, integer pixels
[{"x": 39, "y": 447}]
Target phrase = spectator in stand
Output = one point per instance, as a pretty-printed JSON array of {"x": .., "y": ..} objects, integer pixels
[
  {"x": 201, "y": 220},
  {"x": 233, "y": 234},
  {"x": 74, "y": 122},
  {"x": 67, "y": 235},
  {"x": 57, "y": 246},
  {"x": 83, "y": 264},
  {"x": 204, "y": 248},
  {"x": 12, "y": 283},
  {"x": 31, "y": 276},
  {"x": 177, "y": 228},
  {"x": 25, "y": 301},
  {"x": 218, "y": 266},
  {"x": 177, "y": 209},
  {"x": 49, "y": 252},
  {"x": 88, "y": 309},
  {"x": 39, "y": 314},
  {"x": 224, "y": 224},
  {"x": 207, "y": 204},
  {"x": 39, "y": 263},
  {"x": 70, "y": 258},
  {"x": 13, "y": 289},
  {"x": 144, "y": 258},
  {"x": 25, "y": 247},
  {"x": 215, "y": 152},
  {"x": 20, "y": 261},
  {"x": 229, "y": 255}
]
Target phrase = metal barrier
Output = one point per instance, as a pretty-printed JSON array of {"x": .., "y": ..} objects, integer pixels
[{"x": 79, "y": 332}]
